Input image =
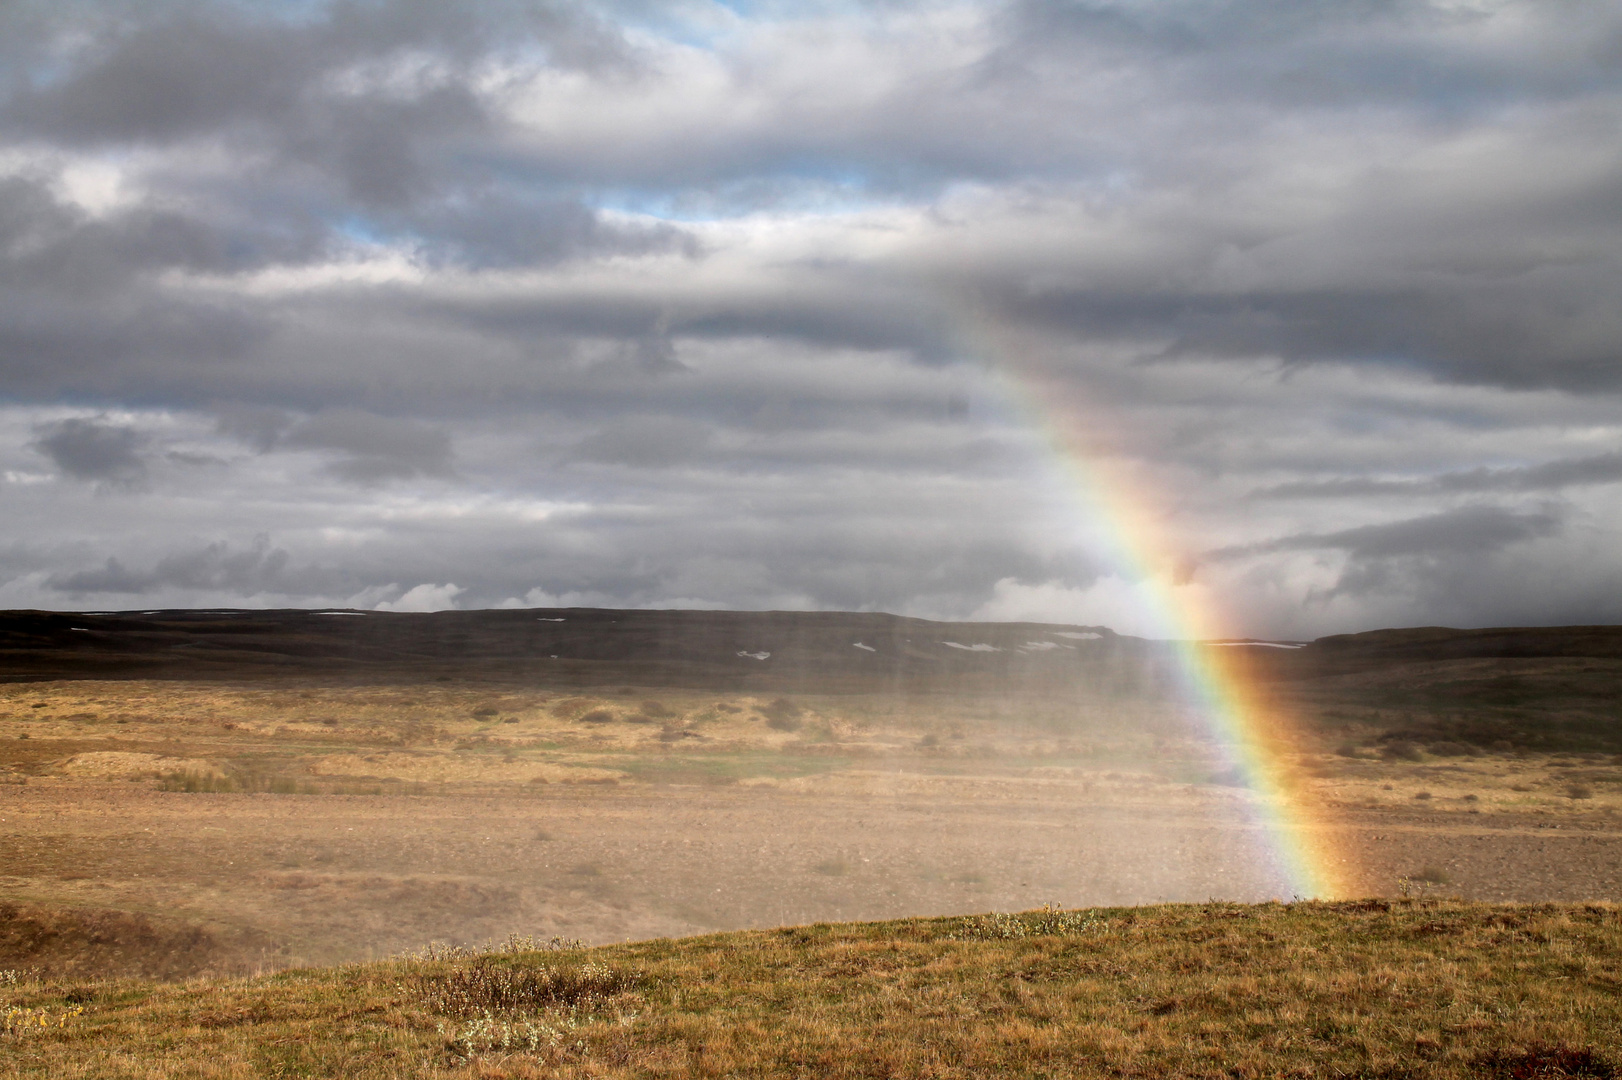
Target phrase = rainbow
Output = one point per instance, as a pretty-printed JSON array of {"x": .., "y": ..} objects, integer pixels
[{"x": 1255, "y": 734}]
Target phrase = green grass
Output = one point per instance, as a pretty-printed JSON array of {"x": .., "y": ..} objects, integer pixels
[{"x": 1417, "y": 988}]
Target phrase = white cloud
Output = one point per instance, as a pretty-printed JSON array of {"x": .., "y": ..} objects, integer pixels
[{"x": 424, "y": 597}]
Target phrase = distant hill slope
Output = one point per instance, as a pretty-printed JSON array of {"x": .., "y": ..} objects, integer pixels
[
  {"x": 772, "y": 649},
  {"x": 787, "y": 650},
  {"x": 1345, "y": 653}
]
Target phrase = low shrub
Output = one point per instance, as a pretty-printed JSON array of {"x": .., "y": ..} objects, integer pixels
[
  {"x": 1546, "y": 1061},
  {"x": 782, "y": 715},
  {"x": 490, "y": 1034},
  {"x": 1050, "y": 920},
  {"x": 17, "y": 1022},
  {"x": 1401, "y": 750},
  {"x": 485, "y": 988}
]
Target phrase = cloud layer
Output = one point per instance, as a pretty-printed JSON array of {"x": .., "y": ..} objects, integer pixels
[{"x": 381, "y": 303}]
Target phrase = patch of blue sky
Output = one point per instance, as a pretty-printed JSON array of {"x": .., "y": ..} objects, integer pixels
[
  {"x": 702, "y": 25},
  {"x": 365, "y": 231},
  {"x": 816, "y": 190},
  {"x": 697, "y": 206},
  {"x": 707, "y": 24}
]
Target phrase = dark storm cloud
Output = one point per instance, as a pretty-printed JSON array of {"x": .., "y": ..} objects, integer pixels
[{"x": 94, "y": 450}]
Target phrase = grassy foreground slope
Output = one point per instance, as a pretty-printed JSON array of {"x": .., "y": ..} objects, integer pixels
[{"x": 1406, "y": 988}]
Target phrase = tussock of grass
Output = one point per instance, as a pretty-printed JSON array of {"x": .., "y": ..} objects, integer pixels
[
  {"x": 1394, "y": 989},
  {"x": 1049, "y": 920},
  {"x": 487, "y": 987}
]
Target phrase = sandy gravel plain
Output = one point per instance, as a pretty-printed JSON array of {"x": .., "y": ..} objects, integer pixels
[{"x": 276, "y": 825}]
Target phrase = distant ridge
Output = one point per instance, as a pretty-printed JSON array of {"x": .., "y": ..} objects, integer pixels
[
  {"x": 584, "y": 646},
  {"x": 767, "y": 650}
]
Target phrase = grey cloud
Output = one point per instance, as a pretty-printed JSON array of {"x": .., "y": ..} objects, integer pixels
[
  {"x": 1251, "y": 242},
  {"x": 1424, "y": 560},
  {"x": 1467, "y": 530},
  {"x": 214, "y": 567},
  {"x": 94, "y": 450},
  {"x": 46, "y": 246},
  {"x": 495, "y": 229},
  {"x": 194, "y": 68},
  {"x": 259, "y": 426},
  {"x": 313, "y": 92},
  {"x": 644, "y": 442},
  {"x": 1347, "y": 55},
  {"x": 374, "y": 448},
  {"x": 1549, "y": 476}
]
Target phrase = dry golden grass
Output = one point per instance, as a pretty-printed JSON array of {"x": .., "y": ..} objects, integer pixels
[{"x": 1372, "y": 989}]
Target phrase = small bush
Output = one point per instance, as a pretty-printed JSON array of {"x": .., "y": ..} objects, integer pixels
[
  {"x": 597, "y": 716},
  {"x": 436, "y": 951},
  {"x": 215, "y": 784},
  {"x": 1050, "y": 920},
  {"x": 1401, "y": 750},
  {"x": 1546, "y": 1061},
  {"x": 16, "y": 1022},
  {"x": 656, "y": 709},
  {"x": 488, "y": 1034},
  {"x": 1579, "y": 791},
  {"x": 485, "y": 711},
  {"x": 1422, "y": 795},
  {"x": 198, "y": 782},
  {"x": 782, "y": 715},
  {"x": 484, "y": 988}
]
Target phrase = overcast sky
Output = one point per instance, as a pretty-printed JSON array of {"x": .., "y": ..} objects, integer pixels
[{"x": 425, "y": 303}]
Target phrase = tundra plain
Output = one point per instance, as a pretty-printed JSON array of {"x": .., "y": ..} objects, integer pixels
[{"x": 170, "y": 826}]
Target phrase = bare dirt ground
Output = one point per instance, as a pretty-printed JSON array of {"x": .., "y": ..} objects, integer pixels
[{"x": 261, "y": 826}]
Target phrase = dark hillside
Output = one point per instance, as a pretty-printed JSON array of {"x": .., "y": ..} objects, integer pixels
[{"x": 832, "y": 651}]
